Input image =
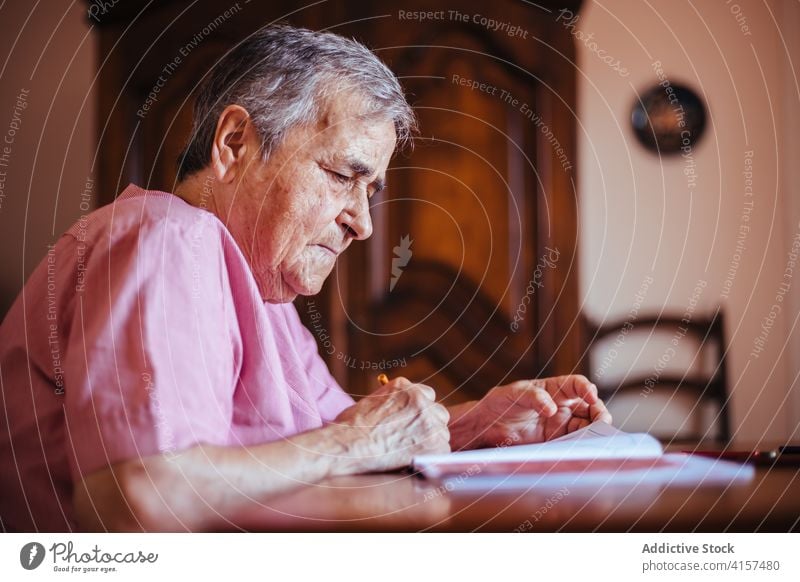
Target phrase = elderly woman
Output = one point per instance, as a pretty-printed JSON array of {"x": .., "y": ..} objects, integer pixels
[{"x": 154, "y": 371}]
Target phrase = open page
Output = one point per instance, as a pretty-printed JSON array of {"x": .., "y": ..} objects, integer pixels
[
  {"x": 599, "y": 440},
  {"x": 668, "y": 469}
]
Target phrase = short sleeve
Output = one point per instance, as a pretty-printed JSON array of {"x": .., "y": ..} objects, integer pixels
[
  {"x": 152, "y": 351},
  {"x": 330, "y": 397}
]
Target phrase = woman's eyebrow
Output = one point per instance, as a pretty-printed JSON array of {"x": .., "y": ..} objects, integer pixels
[
  {"x": 361, "y": 168},
  {"x": 358, "y": 167}
]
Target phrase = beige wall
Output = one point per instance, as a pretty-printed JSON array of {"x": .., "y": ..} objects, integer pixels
[
  {"x": 641, "y": 216},
  {"x": 50, "y": 54}
]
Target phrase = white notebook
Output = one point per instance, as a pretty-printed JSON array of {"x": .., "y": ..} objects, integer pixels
[
  {"x": 598, "y": 454},
  {"x": 599, "y": 440}
]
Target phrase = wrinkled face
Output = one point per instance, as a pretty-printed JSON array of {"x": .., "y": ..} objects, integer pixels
[{"x": 293, "y": 214}]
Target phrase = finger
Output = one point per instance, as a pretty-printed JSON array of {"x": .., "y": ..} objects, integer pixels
[
  {"x": 573, "y": 386},
  {"x": 599, "y": 412},
  {"x": 534, "y": 397},
  {"x": 426, "y": 391},
  {"x": 576, "y": 423},
  {"x": 393, "y": 385},
  {"x": 588, "y": 412},
  {"x": 576, "y": 407},
  {"x": 441, "y": 413},
  {"x": 558, "y": 424},
  {"x": 439, "y": 445}
]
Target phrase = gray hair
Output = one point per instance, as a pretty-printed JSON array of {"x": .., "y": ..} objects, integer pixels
[{"x": 283, "y": 76}]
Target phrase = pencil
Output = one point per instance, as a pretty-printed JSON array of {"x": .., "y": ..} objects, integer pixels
[{"x": 383, "y": 379}]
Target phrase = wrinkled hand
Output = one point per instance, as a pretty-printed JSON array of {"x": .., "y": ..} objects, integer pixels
[
  {"x": 534, "y": 411},
  {"x": 386, "y": 429}
]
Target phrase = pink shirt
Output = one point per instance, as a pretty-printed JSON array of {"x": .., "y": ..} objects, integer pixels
[{"x": 143, "y": 332}]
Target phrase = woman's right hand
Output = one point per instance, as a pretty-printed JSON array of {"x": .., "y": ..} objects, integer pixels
[{"x": 388, "y": 428}]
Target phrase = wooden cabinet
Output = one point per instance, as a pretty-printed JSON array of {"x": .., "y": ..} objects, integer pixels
[{"x": 470, "y": 277}]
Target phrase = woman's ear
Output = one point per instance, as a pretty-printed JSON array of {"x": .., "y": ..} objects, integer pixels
[{"x": 235, "y": 142}]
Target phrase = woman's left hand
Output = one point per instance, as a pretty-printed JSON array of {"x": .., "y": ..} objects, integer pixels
[{"x": 534, "y": 411}]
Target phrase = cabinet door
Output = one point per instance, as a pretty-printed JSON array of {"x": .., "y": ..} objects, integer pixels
[{"x": 468, "y": 279}]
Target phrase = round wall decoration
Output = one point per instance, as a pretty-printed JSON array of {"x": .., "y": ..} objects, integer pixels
[{"x": 668, "y": 119}]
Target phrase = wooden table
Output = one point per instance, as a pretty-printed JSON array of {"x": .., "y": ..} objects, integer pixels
[{"x": 402, "y": 502}]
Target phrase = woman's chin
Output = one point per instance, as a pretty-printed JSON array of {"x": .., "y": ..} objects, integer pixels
[
  {"x": 285, "y": 283},
  {"x": 275, "y": 290},
  {"x": 290, "y": 287},
  {"x": 308, "y": 288}
]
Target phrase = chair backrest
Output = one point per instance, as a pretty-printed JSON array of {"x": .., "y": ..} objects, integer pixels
[{"x": 664, "y": 375}]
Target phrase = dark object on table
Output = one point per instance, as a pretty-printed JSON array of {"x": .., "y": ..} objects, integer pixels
[{"x": 761, "y": 458}]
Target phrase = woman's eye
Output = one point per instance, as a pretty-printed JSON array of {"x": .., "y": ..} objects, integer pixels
[{"x": 341, "y": 178}]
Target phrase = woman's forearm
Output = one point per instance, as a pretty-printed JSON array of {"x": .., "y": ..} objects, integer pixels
[
  {"x": 206, "y": 486},
  {"x": 203, "y": 487}
]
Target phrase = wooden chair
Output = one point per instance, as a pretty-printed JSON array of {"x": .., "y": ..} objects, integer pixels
[{"x": 663, "y": 375}]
